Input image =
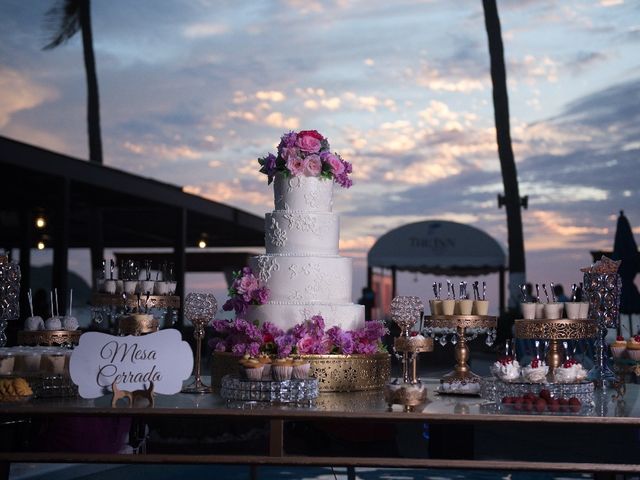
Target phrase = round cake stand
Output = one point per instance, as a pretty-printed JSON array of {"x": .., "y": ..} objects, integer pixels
[
  {"x": 555, "y": 330},
  {"x": 49, "y": 337},
  {"x": 134, "y": 301},
  {"x": 460, "y": 323}
]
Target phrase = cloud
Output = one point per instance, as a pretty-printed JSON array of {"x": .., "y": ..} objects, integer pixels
[
  {"x": 203, "y": 30},
  {"x": 20, "y": 93}
]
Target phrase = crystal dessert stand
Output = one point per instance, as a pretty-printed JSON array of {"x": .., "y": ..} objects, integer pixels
[
  {"x": 199, "y": 309},
  {"x": 555, "y": 330},
  {"x": 438, "y": 326},
  {"x": 408, "y": 391},
  {"x": 111, "y": 306}
]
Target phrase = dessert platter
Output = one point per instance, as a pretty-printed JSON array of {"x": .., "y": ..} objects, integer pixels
[
  {"x": 61, "y": 330},
  {"x": 294, "y": 301},
  {"x": 459, "y": 321}
]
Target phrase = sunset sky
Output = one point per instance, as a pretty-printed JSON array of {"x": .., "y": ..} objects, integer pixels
[{"x": 192, "y": 92}]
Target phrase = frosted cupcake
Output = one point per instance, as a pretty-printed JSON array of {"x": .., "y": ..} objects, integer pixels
[
  {"x": 618, "y": 347},
  {"x": 253, "y": 369},
  {"x": 536, "y": 371},
  {"x": 281, "y": 369},
  {"x": 300, "y": 369},
  {"x": 570, "y": 372},
  {"x": 633, "y": 348},
  {"x": 265, "y": 360},
  {"x": 506, "y": 369}
]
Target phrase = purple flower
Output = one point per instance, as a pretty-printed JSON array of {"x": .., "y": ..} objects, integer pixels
[
  {"x": 340, "y": 340},
  {"x": 261, "y": 295},
  {"x": 285, "y": 345},
  {"x": 312, "y": 166},
  {"x": 238, "y": 349},
  {"x": 271, "y": 329}
]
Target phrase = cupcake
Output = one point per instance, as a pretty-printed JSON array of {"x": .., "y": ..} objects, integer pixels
[
  {"x": 265, "y": 360},
  {"x": 570, "y": 372},
  {"x": 281, "y": 369},
  {"x": 618, "y": 347},
  {"x": 300, "y": 369},
  {"x": 536, "y": 371},
  {"x": 633, "y": 348},
  {"x": 253, "y": 369},
  {"x": 506, "y": 369}
]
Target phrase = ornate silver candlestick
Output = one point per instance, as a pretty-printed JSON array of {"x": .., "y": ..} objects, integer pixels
[
  {"x": 9, "y": 294},
  {"x": 199, "y": 309},
  {"x": 405, "y": 312}
]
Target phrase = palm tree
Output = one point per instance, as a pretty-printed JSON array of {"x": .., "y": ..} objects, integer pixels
[
  {"x": 65, "y": 19},
  {"x": 512, "y": 199}
]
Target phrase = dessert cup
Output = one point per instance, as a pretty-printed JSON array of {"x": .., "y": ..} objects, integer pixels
[
  {"x": 171, "y": 288},
  {"x": 481, "y": 307},
  {"x": 53, "y": 362},
  {"x": 448, "y": 306},
  {"x": 130, "y": 286},
  {"x": 456, "y": 307},
  {"x": 539, "y": 310},
  {"x": 110, "y": 286},
  {"x": 572, "y": 309},
  {"x": 119, "y": 286},
  {"x": 584, "y": 310},
  {"x": 160, "y": 288},
  {"x": 553, "y": 310},
  {"x": 281, "y": 372},
  {"x": 7, "y": 361},
  {"x": 465, "y": 306},
  {"x": 528, "y": 310},
  {"x": 146, "y": 286},
  {"x": 436, "y": 307}
]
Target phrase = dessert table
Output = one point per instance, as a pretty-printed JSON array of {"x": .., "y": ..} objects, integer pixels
[{"x": 449, "y": 419}]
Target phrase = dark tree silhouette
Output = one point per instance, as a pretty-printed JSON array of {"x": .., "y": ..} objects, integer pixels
[
  {"x": 64, "y": 20},
  {"x": 517, "y": 273}
]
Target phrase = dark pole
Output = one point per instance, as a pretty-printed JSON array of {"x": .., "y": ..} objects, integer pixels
[
  {"x": 512, "y": 201},
  {"x": 179, "y": 253},
  {"x": 501, "y": 292},
  {"x": 93, "y": 98},
  {"x": 393, "y": 282},
  {"x": 61, "y": 244},
  {"x": 26, "y": 226}
]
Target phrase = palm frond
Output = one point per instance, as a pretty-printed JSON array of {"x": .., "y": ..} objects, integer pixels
[{"x": 62, "y": 22}]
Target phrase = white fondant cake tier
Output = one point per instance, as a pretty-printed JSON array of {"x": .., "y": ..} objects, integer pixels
[
  {"x": 287, "y": 315},
  {"x": 302, "y": 233},
  {"x": 304, "y": 279},
  {"x": 309, "y": 194}
]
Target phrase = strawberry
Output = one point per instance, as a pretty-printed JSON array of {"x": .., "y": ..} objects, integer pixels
[
  {"x": 546, "y": 394},
  {"x": 535, "y": 363},
  {"x": 540, "y": 405},
  {"x": 554, "y": 405},
  {"x": 636, "y": 338},
  {"x": 620, "y": 338}
]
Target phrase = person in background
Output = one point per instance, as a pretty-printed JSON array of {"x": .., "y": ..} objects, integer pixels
[
  {"x": 558, "y": 290},
  {"x": 368, "y": 299}
]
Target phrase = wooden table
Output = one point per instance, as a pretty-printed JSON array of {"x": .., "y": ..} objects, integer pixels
[{"x": 447, "y": 417}]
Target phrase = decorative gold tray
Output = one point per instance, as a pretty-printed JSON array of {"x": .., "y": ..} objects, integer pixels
[
  {"x": 116, "y": 300},
  {"x": 417, "y": 344},
  {"x": 49, "y": 337},
  {"x": 461, "y": 321},
  {"x": 556, "y": 329},
  {"x": 335, "y": 373},
  {"x": 137, "y": 324}
]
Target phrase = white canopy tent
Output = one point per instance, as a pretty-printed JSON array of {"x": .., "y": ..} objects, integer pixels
[{"x": 438, "y": 247}]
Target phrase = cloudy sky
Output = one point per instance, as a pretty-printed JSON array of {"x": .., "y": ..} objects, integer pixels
[{"x": 192, "y": 92}]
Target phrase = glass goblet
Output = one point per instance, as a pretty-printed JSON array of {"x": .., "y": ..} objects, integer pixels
[{"x": 199, "y": 309}]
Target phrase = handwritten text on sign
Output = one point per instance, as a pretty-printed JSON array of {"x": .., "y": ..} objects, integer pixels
[{"x": 132, "y": 362}]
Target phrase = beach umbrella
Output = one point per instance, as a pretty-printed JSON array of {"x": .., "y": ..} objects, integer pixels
[{"x": 626, "y": 249}]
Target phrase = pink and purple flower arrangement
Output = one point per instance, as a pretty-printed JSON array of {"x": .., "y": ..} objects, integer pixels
[
  {"x": 245, "y": 290},
  {"x": 310, "y": 337},
  {"x": 306, "y": 153}
]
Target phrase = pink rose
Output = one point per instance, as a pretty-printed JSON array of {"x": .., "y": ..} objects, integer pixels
[
  {"x": 336, "y": 165},
  {"x": 247, "y": 284},
  {"x": 308, "y": 143},
  {"x": 313, "y": 166},
  {"x": 306, "y": 345},
  {"x": 296, "y": 165}
]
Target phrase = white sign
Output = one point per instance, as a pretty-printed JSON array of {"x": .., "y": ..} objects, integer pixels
[{"x": 132, "y": 362}]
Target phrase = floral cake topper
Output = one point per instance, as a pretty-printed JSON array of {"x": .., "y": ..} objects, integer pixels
[{"x": 306, "y": 153}]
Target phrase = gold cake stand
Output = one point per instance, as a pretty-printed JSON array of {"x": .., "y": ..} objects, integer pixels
[
  {"x": 461, "y": 373},
  {"x": 49, "y": 337},
  {"x": 131, "y": 300},
  {"x": 555, "y": 330},
  {"x": 137, "y": 324}
]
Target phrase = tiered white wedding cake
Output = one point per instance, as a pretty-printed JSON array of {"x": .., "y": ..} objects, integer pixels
[{"x": 301, "y": 267}]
